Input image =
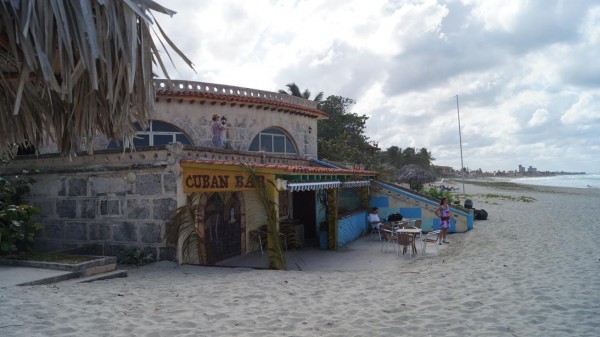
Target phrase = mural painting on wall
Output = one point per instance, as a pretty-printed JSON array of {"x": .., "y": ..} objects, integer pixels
[{"x": 222, "y": 227}]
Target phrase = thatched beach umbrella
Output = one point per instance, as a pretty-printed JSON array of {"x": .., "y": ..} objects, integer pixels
[
  {"x": 414, "y": 175},
  {"x": 72, "y": 69}
]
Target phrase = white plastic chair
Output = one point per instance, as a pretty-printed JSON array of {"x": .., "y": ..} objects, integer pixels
[
  {"x": 387, "y": 237},
  {"x": 375, "y": 230},
  {"x": 405, "y": 242},
  {"x": 431, "y": 237}
]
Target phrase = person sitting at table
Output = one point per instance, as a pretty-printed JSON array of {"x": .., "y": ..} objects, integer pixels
[{"x": 374, "y": 219}]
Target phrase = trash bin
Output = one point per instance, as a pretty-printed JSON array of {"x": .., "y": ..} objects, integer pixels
[{"x": 468, "y": 204}]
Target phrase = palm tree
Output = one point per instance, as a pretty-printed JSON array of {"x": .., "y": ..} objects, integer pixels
[
  {"x": 72, "y": 69},
  {"x": 275, "y": 255},
  {"x": 295, "y": 91},
  {"x": 182, "y": 233}
]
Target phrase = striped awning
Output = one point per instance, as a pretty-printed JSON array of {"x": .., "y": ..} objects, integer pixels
[
  {"x": 354, "y": 184},
  {"x": 322, "y": 185}
]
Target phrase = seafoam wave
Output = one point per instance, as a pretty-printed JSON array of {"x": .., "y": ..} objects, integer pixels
[{"x": 571, "y": 180}]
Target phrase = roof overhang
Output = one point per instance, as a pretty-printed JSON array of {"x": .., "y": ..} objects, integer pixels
[{"x": 209, "y": 176}]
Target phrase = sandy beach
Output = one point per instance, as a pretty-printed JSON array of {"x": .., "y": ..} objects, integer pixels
[{"x": 531, "y": 269}]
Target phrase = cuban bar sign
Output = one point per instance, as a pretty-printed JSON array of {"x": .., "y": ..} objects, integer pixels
[{"x": 203, "y": 180}]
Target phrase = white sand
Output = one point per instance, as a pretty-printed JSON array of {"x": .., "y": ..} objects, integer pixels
[{"x": 531, "y": 269}]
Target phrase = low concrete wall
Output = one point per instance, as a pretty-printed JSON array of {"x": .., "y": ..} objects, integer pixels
[
  {"x": 393, "y": 199},
  {"x": 351, "y": 227}
]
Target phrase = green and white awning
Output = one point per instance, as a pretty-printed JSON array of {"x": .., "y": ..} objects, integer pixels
[
  {"x": 323, "y": 185},
  {"x": 312, "y": 186}
]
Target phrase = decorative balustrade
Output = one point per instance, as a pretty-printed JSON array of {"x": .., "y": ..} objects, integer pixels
[{"x": 176, "y": 86}]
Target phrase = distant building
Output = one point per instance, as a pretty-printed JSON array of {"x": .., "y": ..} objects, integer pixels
[{"x": 445, "y": 171}]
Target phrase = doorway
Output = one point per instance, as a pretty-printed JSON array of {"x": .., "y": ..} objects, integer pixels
[
  {"x": 222, "y": 231},
  {"x": 304, "y": 210}
]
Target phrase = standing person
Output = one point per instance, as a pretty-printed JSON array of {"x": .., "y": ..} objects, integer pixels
[
  {"x": 224, "y": 131},
  {"x": 217, "y": 131},
  {"x": 374, "y": 218},
  {"x": 443, "y": 212}
]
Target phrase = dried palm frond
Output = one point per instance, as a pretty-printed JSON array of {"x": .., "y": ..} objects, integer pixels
[
  {"x": 70, "y": 70},
  {"x": 181, "y": 232},
  {"x": 275, "y": 254}
]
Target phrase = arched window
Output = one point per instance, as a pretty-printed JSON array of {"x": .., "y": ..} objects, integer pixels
[
  {"x": 157, "y": 133},
  {"x": 273, "y": 140}
]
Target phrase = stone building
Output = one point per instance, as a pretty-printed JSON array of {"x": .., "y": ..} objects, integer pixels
[{"x": 118, "y": 197}]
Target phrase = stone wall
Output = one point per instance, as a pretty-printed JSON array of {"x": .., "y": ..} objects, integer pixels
[
  {"x": 244, "y": 124},
  {"x": 193, "y": 117},
  {"x": 106, "y": 209},
  {"x": 112, "y": 200}
]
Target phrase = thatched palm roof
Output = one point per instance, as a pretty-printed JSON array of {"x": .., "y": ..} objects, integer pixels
[
  {"x": 413, "y": 174},
  {"x": 72, "y": 69}
]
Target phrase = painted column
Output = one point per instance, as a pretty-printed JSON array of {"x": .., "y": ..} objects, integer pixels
[
  {"x": 332, "y": 217},
  {"x": 275, "y": 254}
]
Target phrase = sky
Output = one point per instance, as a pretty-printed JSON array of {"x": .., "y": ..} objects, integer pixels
[{"x": 526, "y": 73}]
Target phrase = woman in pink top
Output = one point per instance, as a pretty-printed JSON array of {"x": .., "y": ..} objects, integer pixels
[{"x": 443, "y": 212}]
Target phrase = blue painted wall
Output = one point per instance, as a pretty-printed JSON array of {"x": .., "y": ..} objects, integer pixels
[
  {"x": 407, "y": 212},
  {"x": 428, "y": 224},
  {"x": 351, "y": 228}
]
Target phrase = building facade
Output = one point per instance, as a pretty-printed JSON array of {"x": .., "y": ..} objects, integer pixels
[{"x": 120, "y": 197}]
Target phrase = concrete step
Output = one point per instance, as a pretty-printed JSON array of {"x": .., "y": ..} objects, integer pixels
[
  {"x": 86, "y": 275},
  {"x": 103, "y": 276},
  {"x": 99, "y": 270},
  {"x": 101, "y": 266},
  {"x": 94, "y": 262}
]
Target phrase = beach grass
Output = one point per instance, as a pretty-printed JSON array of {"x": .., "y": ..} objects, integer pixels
[
  {"x": 502, "y": 197},
  {"x": 50, "y": 257}
]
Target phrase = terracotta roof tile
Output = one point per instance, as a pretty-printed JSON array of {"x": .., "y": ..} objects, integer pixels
[
  {"x": 287, "y": 168},
  {"x": 241, "y": 99}
]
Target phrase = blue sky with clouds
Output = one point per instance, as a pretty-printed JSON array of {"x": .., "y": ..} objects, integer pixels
[{"x": 526, "y": 72}]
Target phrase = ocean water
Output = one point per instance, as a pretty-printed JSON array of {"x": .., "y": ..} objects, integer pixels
[{"x": 575, "y": 180}]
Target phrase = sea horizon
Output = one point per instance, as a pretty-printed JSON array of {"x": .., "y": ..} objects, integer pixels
[{"x": 588, "y": 180}]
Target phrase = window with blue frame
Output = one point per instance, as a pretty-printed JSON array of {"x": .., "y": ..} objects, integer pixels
[
  {"x": 157, "y": 133},
  {"x": 274, "y": 141}
]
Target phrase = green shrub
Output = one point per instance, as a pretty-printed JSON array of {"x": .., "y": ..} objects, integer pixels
[
  {"x": 18, "y": 227},
  {"x": 134, "y": 256},
  {"x": 437, "y": 193}
]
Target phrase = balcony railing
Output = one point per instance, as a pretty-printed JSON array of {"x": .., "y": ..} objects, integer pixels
[{"x": 176, "y": 86}]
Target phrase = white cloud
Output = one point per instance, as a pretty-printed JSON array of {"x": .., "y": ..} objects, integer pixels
[
  {"x": 540, "y": 116},
  {"x": 526, "y": 72},
  {"x": 584, "y": 112},
  {"x": 496, "y": 14}
]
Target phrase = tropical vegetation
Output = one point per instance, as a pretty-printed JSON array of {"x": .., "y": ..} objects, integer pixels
[
  {"x": 18, "y": 226},
  {"x": 341, "y": 138},
  {"x": 294, "y": 90}
]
